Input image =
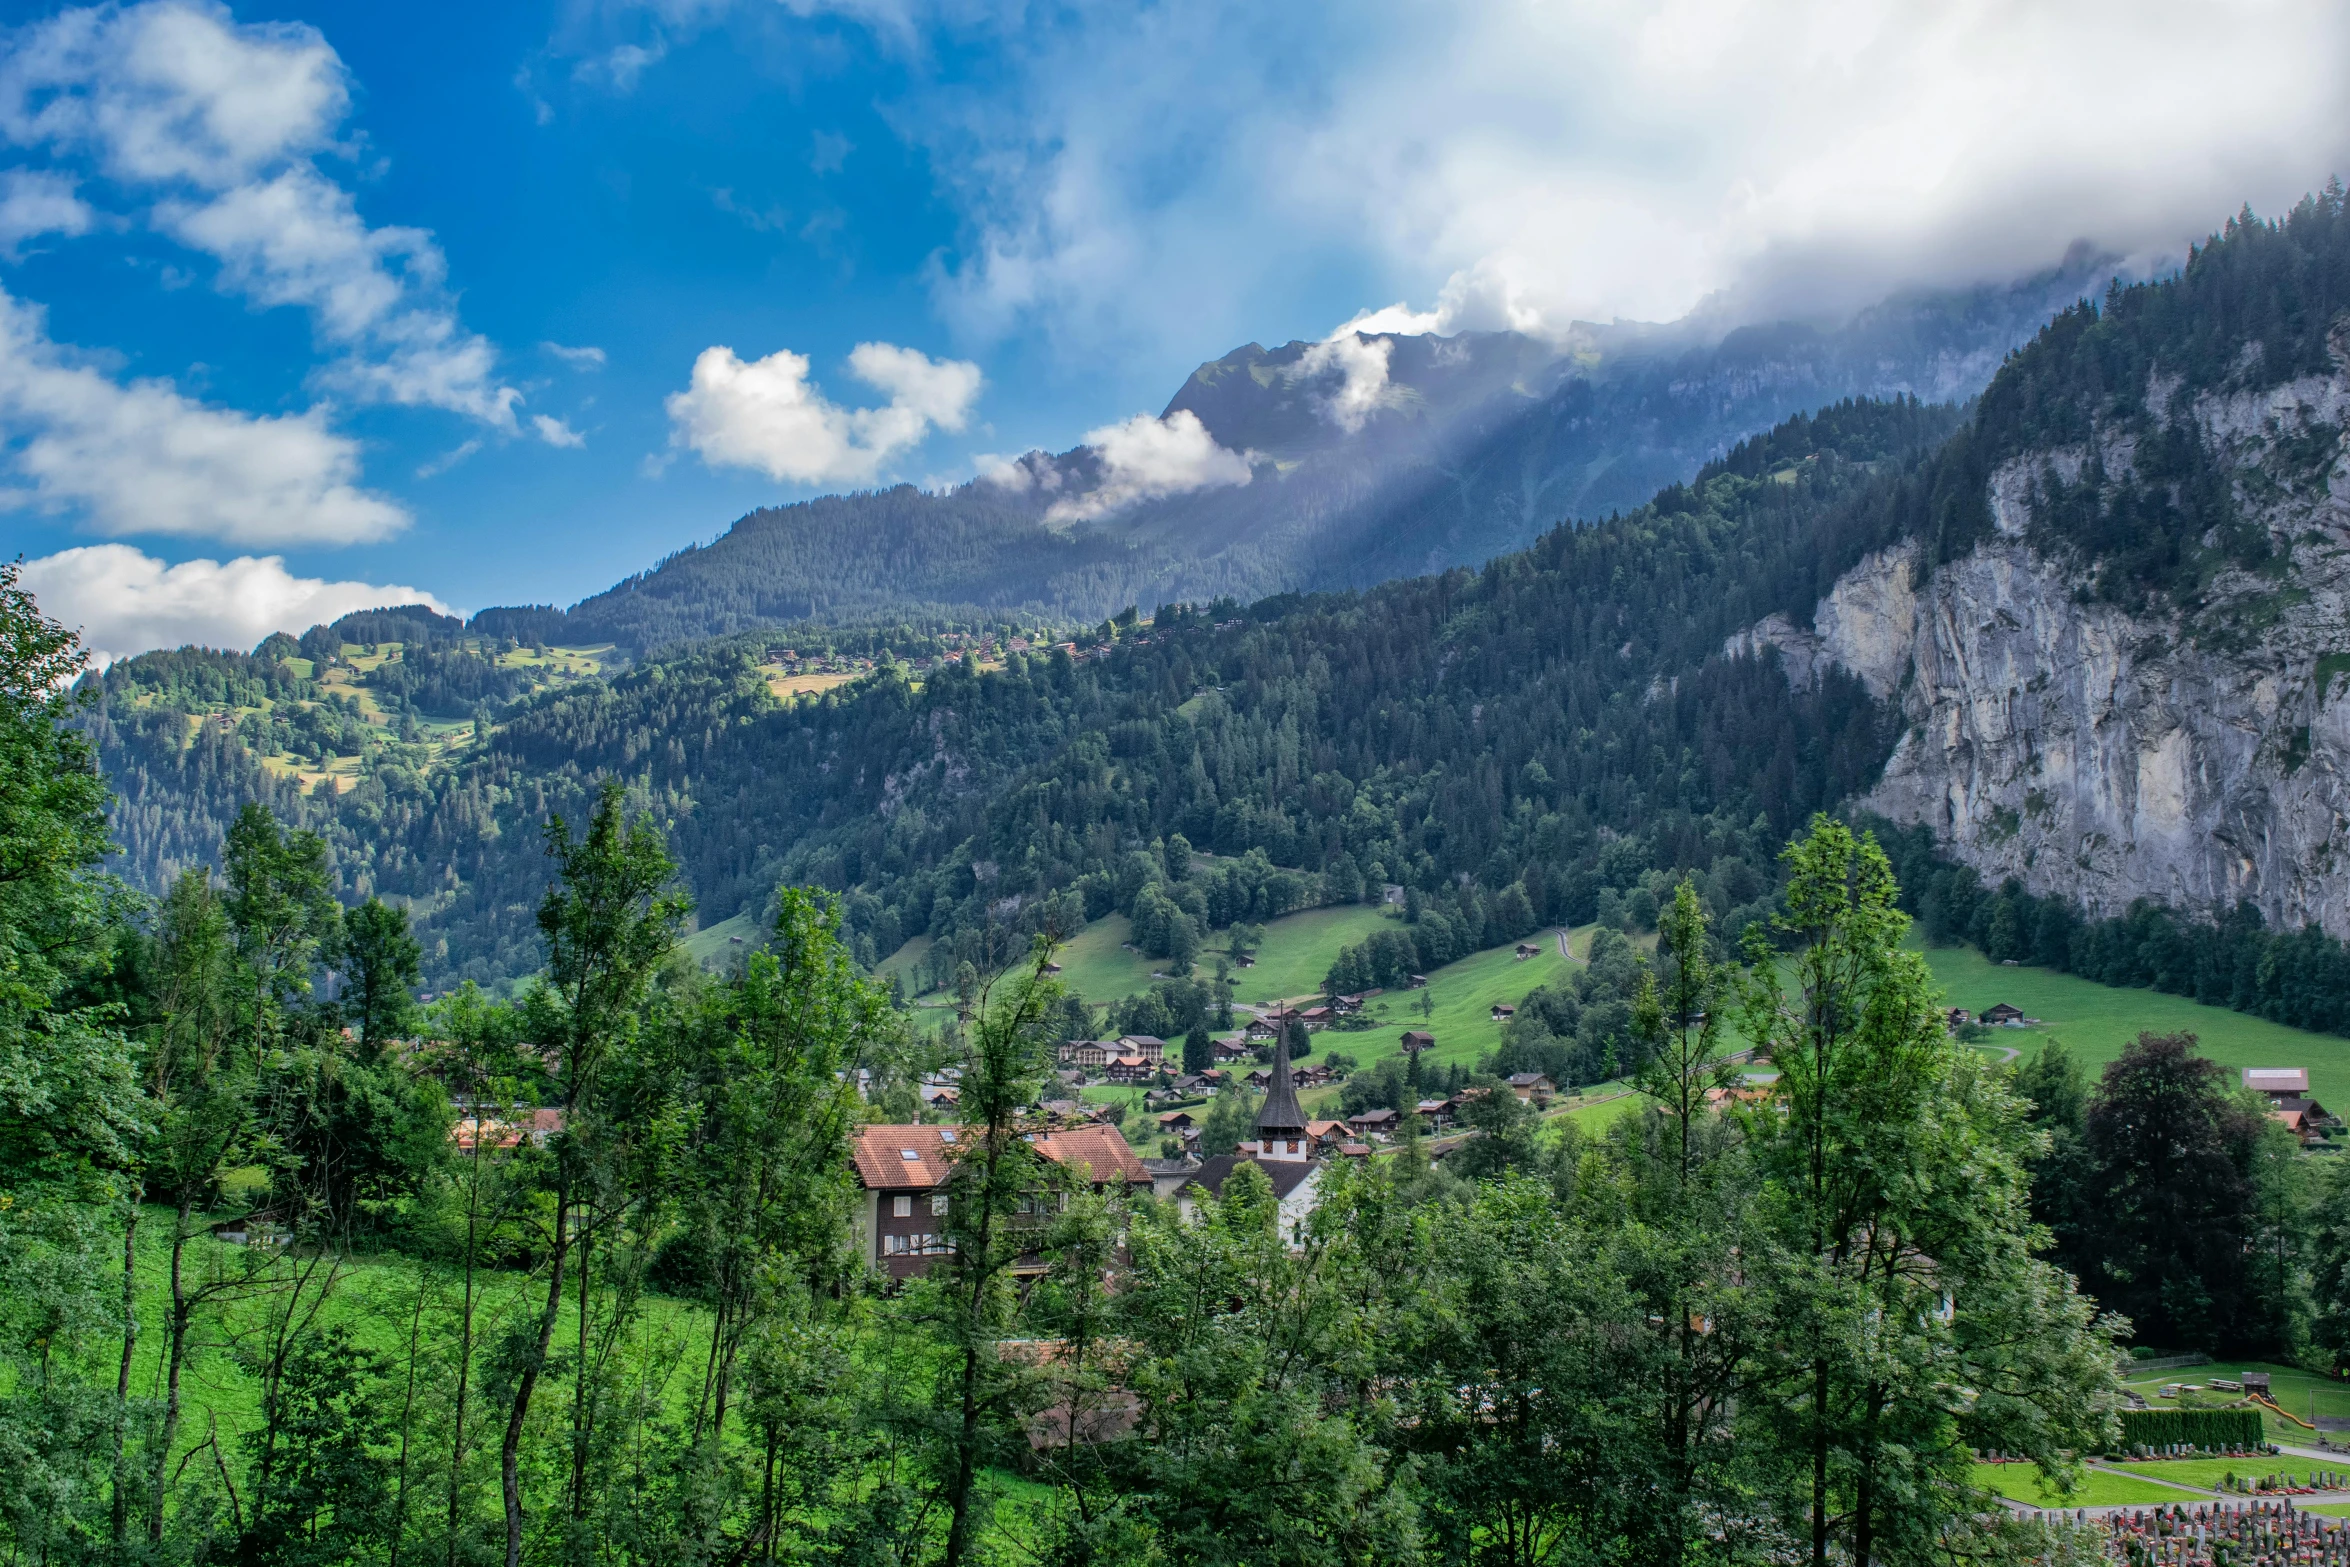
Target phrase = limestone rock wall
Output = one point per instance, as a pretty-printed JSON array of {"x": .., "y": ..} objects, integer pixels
[{"x": 2106, "y": 757}]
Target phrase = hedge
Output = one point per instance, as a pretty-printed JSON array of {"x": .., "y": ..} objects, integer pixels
[{"x": 2206, "y": 1428}]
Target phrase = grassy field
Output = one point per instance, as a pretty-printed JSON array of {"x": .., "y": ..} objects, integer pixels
[
  {"x": 715, "y": 947},
  {"x": 2304, "y": 1393},
  {"x": 1298, "y": 951},
  {"x": 2021, "y": 1483},
  {"x": 2095, "y": 1021}
]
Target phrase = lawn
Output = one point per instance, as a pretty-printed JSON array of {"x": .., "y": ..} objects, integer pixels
[
  {"x": 2021, "y": 1483},
  {"x": 2209, "y": 1472},
  {"x": 2302, "y": 1392},
  {"x": 2095, "y": 1021}
]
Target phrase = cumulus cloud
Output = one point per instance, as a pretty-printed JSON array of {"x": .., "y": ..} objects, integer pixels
[
  {"x": 555, "y": 432},
  {"x": 173, "y": 91},
  {"x": 768, "y": 416},
  {"x": 1146, "y": 458},
  {"x": 1148, "y": 179},
  {"x": 143, "y": 458},
  {"x": 124, "y": 602},
  {"x": 37, "y": 202},
  {"x": 224, "y": 121}
]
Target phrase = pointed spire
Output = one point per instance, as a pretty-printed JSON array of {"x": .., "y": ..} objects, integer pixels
[{"x": 1280, "y": 1112}]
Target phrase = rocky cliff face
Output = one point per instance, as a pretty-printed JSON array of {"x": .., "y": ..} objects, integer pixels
[{"x": 2194, "y": 756}]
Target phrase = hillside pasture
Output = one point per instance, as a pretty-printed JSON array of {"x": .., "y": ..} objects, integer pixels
[{"x": 2096, "y": 1021}]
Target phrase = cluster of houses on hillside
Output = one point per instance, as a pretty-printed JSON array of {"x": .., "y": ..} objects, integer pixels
[{"x": 2286, "y": 1088}]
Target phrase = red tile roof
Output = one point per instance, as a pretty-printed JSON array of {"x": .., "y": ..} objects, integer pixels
[
  {"x": 880, "y": 1154},
  {"x": 1102, "y": 1149}
]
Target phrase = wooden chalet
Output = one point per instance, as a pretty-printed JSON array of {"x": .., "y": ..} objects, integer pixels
[{"x": 906, "y": 1175}]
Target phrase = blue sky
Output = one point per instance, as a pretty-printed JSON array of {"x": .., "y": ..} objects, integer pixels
[{"x": 502, "y": 302}]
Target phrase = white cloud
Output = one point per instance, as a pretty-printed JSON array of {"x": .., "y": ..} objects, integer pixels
[
  {"x": 1361, "y": 365},
  {"x": 577, "y": 358},
  {"x": 125, "y": 602},
  {"x": 767, "y": 415},
  {"x": 224, "y": 118},
  {"x": 37, "y": 202},
  {"x": 173, "y": 91},
  {"x": 1145, "y": 178},
  {"x": 1145, "y": 458},
  {"x": 143, "y": 458},
  {"x": 555, "y": 432}
]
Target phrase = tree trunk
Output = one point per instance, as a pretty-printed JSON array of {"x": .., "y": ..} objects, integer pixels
[
  {"x": 510, "y": 1451},
  {"x": 122, "y": 1375},
  {"x": 465, "y": 1340},
  {"x": 175, "y": 1356}
]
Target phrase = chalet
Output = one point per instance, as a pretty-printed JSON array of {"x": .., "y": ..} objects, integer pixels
[
  {"x": 1129, "y": 1070},
  {"x": 2309, "y": 1109},
  {"x": 2001, "y": 1015},
  {"x": 2276, "y": 1082},
  {"x": 1315, "y": 1076},
  {"x": 906, "y": 1175},
  {"x": 1416, "y": 982},
  {"x": 1258, "y": 1028},
  {"x": 1503, "y": 1012},
  {"x": 1281, "y": 1148},
  {"x": 1262, "y": 1077},
  {"x": 534, "y": 1126},
  {"x": 1413, "y": 1043},
  {"x": 1527, "y": 949},
  {"x": 1176, "y": 1121},
  {"x": 1326, "y": 1134},
  {"x": 1193, "y": 1085},
  {"x": 1374, "y": 1122},
  {"x": 1316, "y": 1017},
  {"x": 1147, "y": 1046},
  {"x": 1436, "y": 1114},
  {"x": 1533, "y": 1087}
]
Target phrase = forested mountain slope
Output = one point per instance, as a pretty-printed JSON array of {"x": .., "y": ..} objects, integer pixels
[
  {"x": 1550, "y": 725},
  {"x": 1379, "y": 457},
  {"x": 2163, "y": 474}
]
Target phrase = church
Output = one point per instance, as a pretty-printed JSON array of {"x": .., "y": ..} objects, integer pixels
[{"x": 1282, "y": 1148}]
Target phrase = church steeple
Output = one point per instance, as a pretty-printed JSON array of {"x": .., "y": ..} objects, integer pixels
[{"x": 1281, "y": 1123}]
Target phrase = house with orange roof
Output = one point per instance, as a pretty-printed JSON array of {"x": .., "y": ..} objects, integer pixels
[{"x": 906, "y": 1176}]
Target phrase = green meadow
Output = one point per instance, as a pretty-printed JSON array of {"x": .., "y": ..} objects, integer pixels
[{"x": 2095, "y": 1021}]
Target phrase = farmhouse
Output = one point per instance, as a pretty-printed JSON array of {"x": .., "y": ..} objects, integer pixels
[
  {"x": 2278, "y": 1082},
  {"x": 1503, "y": 1012},
  {"x": 1129, "y": 1070},
  {"x": 1527, "y": 949},
  {"x": 1414, "y": 1043},
  {"x": 2001, "y": 1015},
  {"x": 906, "y": 1176},
  {"x": 1532, "y": 1086},
  {"x": 1374, "y": 1122}
]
